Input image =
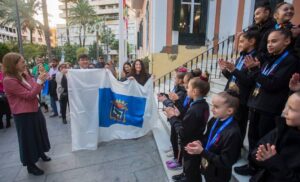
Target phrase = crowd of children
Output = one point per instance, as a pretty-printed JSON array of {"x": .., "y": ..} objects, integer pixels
[{"x": 259, "y": 84}]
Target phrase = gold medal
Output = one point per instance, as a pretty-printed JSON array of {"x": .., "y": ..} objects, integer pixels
[
  {"x": 256, "y": 92},
  {"x": 232, "y": 85},
  {"x": 204, "y": 163}
]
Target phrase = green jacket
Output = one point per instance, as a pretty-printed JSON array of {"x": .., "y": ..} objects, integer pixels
[{"x": 35, "y": 69}]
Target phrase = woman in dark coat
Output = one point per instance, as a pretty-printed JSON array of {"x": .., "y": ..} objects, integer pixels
[{"x": 138, "y": 72}]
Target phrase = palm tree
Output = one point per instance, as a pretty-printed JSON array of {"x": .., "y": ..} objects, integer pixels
[
  {"x": 82, "y": 14},
  {"x": 46, "y": 28},
  {"x": 67, "y": 17},
  {"x": 27, "y": 10}
]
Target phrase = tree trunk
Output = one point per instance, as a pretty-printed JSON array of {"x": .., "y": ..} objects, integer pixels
[
  {"x": 97, "y": 44},
  {"x": 80, "y": 43},
  {"x": 30, "y": 33},
  {"x": 84, "y": 34},
  {"x": 67, "y": 22},
  {"x": 46, "y": 28}
]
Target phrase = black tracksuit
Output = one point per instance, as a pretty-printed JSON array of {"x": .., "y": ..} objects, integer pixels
[
  {"x": 223, "y": 153},
  {"x": 191, "y": 128},
  {"x": 285, "y": 165},
  {"x": 64, "y": 97},
  {"x": 181, "y": 92},
  {"x": 264, "y": 31},
  {"x": 270, "y": 101},
  {"x": 244, "y": 91},
  {"x": 263, "y": 51}
]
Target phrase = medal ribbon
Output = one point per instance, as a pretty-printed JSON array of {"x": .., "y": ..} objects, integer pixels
[
  {"x": 197, "y": 100},
  {"x": 211, "y": 141},
  {"x": 186, "y": 101},
  {"x": 240, "y": 65},
  {"x": 277, "y": 26},
  {"x": 266, "y": 71}
]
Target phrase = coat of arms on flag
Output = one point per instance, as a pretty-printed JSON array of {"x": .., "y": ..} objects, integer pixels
[{"x": 120, "y": 109}]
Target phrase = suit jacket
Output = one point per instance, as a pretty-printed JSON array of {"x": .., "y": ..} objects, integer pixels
[{"x": 22, "y": 98}]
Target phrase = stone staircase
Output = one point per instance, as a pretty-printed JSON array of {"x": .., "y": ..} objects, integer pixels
[{"x": 217, "y": 85}]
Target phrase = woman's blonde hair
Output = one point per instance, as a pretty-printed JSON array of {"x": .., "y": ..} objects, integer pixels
[{"x": 10, "y": 60}]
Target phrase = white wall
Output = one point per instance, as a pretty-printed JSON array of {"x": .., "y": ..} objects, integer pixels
[
  {"x": 228, "y": 18},
  {"x": 175, "y": 37},
  {"x": 211, "y": 15},
  {"x": 248, "y": 13},
  {"x": 290, "y": 1},
  {"x": 158, "y": 25}
]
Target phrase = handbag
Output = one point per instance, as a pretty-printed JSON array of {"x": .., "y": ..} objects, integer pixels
[
  {"x": 3, "y": 97},
  {"x": 63, "y": 96}
]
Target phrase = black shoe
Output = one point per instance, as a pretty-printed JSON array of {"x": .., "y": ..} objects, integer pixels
[
  {"x": 33, "y": 169},
  {"x": 45, "y": 158},
  {"x": 8, "y": 124},
  {"x": 245, "y": 170},
  {"x": 64, "y": 121},
  {"x": 53, "y": 115},
  {"x": 183, "y": 179},
  {"x": 178, "y": 177}
]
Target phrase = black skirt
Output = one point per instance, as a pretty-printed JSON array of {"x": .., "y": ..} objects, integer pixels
[{"x": 32, "y": 136}]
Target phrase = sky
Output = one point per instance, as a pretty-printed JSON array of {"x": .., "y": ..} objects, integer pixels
[{"x": 53, "y": 11}]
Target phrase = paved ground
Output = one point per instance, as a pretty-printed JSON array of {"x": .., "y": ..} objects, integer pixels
[{"x": 117, "y": 161}]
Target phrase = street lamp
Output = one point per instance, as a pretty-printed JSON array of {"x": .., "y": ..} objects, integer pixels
[
  {"x": 19, "y": 29},
  {"x": 62, "y": 59}
]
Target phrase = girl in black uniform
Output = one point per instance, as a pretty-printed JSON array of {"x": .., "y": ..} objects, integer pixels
[
  {"x": 223, "y": 141},
  {"x": 271, "y": 90},
  {"x": 192, "y": 126},
  {"x": 180, "y": 91},
  {"x": 237, "y": 75},
  {"x": 278, "y": 152}
]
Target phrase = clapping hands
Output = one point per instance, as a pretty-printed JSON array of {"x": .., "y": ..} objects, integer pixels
[
  {"x": 295, "y": 82},
  {"x": 194, "y": 147},
  {"x": 170, "y": 112},
  {"x": 43, "y": 77},
  {"x": 226, "y": 65},
  {"x": 251, "y": 62},
  {"x": 265, "y": 152}
]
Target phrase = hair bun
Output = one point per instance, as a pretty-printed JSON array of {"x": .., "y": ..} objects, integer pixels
[{"x": 233, "y": 93}]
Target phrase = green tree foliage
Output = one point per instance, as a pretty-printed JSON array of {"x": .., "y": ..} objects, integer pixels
[
  {"x": 81, "y": 50},
  {"x": 115, "y": 46},
  {"x": 12, "y": 46},
  {"x": 82, "y": 14},
  {"x": 4, "y": 49},
  {"x": 67, "y": 17},
  {"x": 69, "y": 52},
  {"x": 107, "y": 37},
  {"x": 27, "y": 11},
  {"x": 31, "y": 51},
  {"x": 93, "y": 50}
]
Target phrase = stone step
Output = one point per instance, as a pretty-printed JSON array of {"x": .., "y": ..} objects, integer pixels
[
  {"x": 236, "y": 177},
  {"x": 162, "y": 139}
]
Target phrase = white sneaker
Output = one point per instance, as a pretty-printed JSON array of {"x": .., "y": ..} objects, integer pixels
[
  {"x": 170, "y": 154},
  {"x": 168, "y": 150}
]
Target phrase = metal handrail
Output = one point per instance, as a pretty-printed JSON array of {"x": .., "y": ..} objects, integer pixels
[{"x": 206, "y": 61}]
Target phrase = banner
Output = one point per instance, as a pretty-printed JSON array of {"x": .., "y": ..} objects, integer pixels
[{"x": 104, "y": 109}]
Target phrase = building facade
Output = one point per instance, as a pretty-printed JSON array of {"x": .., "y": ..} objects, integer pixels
[
  {"x": 8, "y": 33},
  {"x": 165, "y": 23},
  {"x": 108, "y": 11}
]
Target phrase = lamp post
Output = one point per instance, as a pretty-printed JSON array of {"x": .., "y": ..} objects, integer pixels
[
  {"x": 62, "y": 60},
  {"x": 19, "y": 29}
]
